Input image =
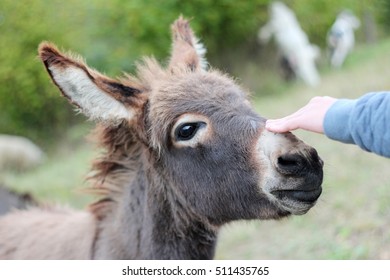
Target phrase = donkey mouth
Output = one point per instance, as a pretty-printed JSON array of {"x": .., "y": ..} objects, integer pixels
[
  {"x": 297, "y": 202},
  {"x": 305, "y": 196}
]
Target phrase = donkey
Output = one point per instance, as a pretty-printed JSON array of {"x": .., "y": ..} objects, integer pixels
[{"x": 184, "y": 154}]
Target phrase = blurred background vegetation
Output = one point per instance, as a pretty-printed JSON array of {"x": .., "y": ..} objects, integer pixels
[{"x": 350, "y": 221}]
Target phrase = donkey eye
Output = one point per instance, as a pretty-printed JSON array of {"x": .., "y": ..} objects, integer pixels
[{"x": 187, "y": 130}]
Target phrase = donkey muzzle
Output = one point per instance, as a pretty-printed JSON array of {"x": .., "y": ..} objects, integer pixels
[
  {"x": 296, "y": 171},
  {"x": 302, "y": 176}
]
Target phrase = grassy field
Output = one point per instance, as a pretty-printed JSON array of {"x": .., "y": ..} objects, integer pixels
[{"x": 352, "y": 217}]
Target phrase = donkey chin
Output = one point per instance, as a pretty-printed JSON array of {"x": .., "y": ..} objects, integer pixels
[{"x": 296, "y": 172}]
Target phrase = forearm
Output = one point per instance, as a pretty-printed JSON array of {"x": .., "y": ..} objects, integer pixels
[{"x": 364, "y": 122}]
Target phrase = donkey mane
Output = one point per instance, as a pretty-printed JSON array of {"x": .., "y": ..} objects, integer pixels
[{"x": 112, "y": 171}]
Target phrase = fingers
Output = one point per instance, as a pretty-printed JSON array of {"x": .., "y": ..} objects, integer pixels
[
  {"x": 310, "y": 117},
  {"x": 282, "y": 125},
  {"x": 286, "y": 124}
]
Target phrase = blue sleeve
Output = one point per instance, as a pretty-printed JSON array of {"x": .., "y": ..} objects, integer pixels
[{"x": 364, "y": 122}]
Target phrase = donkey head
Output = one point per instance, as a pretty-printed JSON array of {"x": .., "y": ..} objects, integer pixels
[{"x": 200, "y": 137}]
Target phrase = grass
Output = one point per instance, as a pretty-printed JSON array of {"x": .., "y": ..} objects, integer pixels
[{"x": 350, "y": 221}]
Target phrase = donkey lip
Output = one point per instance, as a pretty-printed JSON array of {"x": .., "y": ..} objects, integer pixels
[{"x": 306, "y": 196}]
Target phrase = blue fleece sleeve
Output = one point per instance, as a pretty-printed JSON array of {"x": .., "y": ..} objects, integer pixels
[{"x": 364, "y": 122}]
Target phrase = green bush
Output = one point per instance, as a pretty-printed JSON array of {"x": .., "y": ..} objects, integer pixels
[{"x": 29, "y": 104}]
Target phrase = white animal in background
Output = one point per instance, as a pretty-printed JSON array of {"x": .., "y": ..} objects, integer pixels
[
  {"x": 19, "y": 153},
  {"x": 292, "y": 42},
  {"x": 341, "y": 38}
]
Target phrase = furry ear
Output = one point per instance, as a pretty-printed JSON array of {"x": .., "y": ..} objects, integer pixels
[
  {"x": 186, "y": 49},
  {"x": 97, "y": 96}
]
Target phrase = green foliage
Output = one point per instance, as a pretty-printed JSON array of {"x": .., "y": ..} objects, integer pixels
[
  {"x": 384, "y": 14},
  {"x": 134, "y": 28},
  {"x": 316, "y": 17},
  {"x": 29, "y": 103}
]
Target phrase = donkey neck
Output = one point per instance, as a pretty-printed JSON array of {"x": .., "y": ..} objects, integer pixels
[{"x": 150, "y": 222}]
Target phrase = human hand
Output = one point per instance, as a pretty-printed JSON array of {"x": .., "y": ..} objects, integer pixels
[{"x": 310, "y": 117}]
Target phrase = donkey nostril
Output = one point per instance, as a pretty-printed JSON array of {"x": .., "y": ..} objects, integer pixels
[
  {"x": 287, "y": 161},
  {"x": 290, "y": 164}
]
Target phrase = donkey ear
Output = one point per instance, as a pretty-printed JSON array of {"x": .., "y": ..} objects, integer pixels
[
  {"x": 97, "y": 96},
  {"x": 186, "y": 49}
]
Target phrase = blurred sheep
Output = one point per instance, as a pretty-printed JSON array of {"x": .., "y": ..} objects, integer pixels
[
  {"x": 341, "y": 38},
  {"x": 19, "y": 153},
  {"x": 298, "y": 55}
]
